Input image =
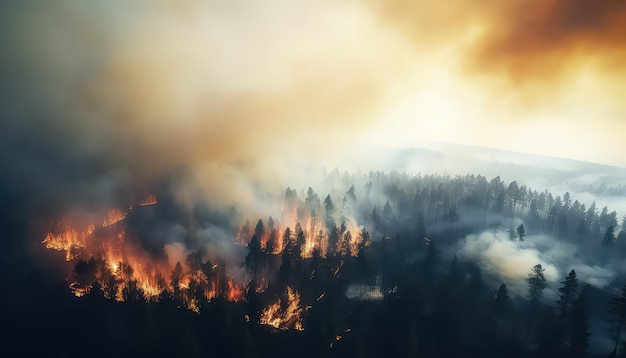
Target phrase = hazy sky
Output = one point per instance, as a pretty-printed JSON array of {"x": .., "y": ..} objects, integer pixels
[{"x": 156, "y": 84}]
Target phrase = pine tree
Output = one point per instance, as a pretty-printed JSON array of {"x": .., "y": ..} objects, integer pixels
[
  {"x": 567, "y": 298},
  {"x": 521, "y": 233},
  {"x": 579, "y": 325},
  {"x": 622, "y": 232},
  {"x": 420, "y": 226},
  {"x": 252, "y": 261},
  {"x": 617, "y": 312},
  {"x": 259, "y": 230},
  {"x": 176, "y": 276},
  {"x": 285, "y": 271},
  {"x": 387, "y": 215},
  {"x": 609, "y": 237},
  {"x": 375, "y": 220},
  {"x": 548, "y": 346},
  {"x": 328, "y": 205},
  {"x": 536, "y": 284},
  {"x": 300, "y": 242},
  {"x": 502, "y": 303}
]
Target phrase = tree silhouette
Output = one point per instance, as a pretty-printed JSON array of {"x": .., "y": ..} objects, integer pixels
[
  {"x": 567, "y": 298},
  {"x": 608, "y": 240},
  {"x": 521, "y": 233},
  {"x": 420, "y": 226},
  {"x": 621, "y": 237},
  {"x": 579, "y": 327},
  {"x": 387, "y": 214},
  {"x": 425, "y": 310},
  {"x": 177, "y": 275},
  {"x": 501, "y": 304},
  {"x": 548, "y": 346},
  {"x": 375, "y": 217},
  {"x": 513, "y": 194},
  {"x": 617, "y": 317},
  {"x": 287, "y": 258},
  {"x": 259, "y": 230},
  {"x": 253, "y": 259},
  {"x": 536, "y": 284},
  {"x": 272, "y": 244},
  {"x": 328, "y": 206}
]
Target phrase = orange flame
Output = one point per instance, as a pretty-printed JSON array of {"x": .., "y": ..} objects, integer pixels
[
  {"x": 289, "y": 318},
  {"x": 234, "y": 293},
  {"x": 151, "y": 199},
  {"x": 67, "y": 239},
  {"x": 112, "y": 217},
  {"x": 123, "y": 270}
]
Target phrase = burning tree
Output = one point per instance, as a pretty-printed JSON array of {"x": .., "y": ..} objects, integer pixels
[{"x": 285, "y": 313}]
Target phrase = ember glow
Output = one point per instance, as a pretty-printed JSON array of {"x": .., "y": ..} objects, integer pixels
[
  {"x": 284, "y": 315},
  {"x": 108, "y": 255},
  {"x": 65, "y": 238},
  {"x": 151, "y": 199}
]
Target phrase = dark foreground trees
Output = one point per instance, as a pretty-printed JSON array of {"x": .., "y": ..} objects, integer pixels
[
  {"x": 392, "y": 294},
  {"x": 536, "y": 284},
  {"x": 579, "y": 326},
  {"x": 617, "y": 317}
]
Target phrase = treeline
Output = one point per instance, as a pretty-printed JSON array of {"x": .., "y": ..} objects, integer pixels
[
  {"x": 387, "y": 204},
  {"x": 409, "y": 217},
  {"x": 366, "y": 259}
]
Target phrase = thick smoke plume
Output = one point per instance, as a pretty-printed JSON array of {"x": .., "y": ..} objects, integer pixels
[
  {"x": 526, "y": 41},
  {"x": 510, "y": 261},
  {"x": 100, "y": 100}
]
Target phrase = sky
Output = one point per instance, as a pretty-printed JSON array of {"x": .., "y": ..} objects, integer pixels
[{"x": 95, "y": 93}]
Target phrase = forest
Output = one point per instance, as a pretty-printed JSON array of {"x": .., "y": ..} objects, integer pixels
[{"x": 380, "y": 264}]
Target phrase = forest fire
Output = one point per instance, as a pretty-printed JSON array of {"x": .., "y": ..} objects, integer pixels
[
  {"x": 151, "y": 199},
  {"x": 113, "y": 216},
  {"x": 113, "y": 261},
  {"x": 284, "y": 316},
  {"x": 234, "y": 292},
  {"x": 308, "y": 273},
  {"x": 314, "y": 236},
  {"x": 65, "y": 238}
]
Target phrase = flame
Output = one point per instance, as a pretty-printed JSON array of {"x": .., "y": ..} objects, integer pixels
[
  {"x": 193, "y": 305},
  {"x": 123, "y": 270},
  {"x": 284, "y": 319},
  {"x": 113, "y": 216},
  {"x": 234, "y": 293},
  {"x": 210, "y": 293},
  {"x": 67, "y": 239},
  {"x": 316, "y": 237},
  {"x": 262, "y": 285},
  {"x": 151, "y": 199},
  {"x": 78, "y": 290}
]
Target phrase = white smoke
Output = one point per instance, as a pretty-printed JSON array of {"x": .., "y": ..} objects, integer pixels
[{"x": 510, "y": 261}]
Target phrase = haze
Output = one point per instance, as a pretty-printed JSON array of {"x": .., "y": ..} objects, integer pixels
[
  {"x": 229, "y": 110},
  {"x": 232, "y": 81}
]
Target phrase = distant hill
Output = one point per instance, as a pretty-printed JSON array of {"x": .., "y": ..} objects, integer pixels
[{"x": 585, "y": 181}]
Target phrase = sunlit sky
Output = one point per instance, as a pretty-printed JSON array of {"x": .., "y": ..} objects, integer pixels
[{"x": 231, "y": 80}]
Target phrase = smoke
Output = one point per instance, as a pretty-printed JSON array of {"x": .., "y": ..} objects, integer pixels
[
  {"x": 510, "y": 262},
  {"x": 218, "y": 249},
  {"x": 224, "y": 102},
  {"x": 523, "y": 41},
  {"x": 102, "y": 100}
]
